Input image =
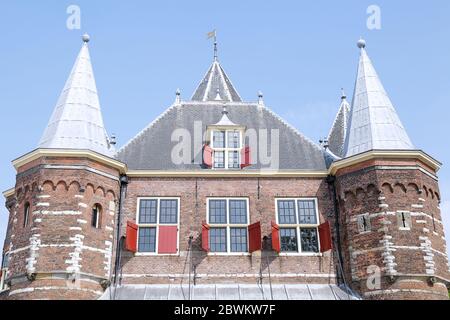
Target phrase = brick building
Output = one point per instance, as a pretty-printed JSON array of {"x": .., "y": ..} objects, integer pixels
[{"x": 222, "y": 199}]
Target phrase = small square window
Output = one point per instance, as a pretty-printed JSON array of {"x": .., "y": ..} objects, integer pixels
[
  {"x": 309, "y": 240},
  {"x": 288, "y": 239},
  {"x": 218, "y": 239},
  {"x": 219, "y": 139},
  {"x": 307, "y": 212},
  {"x": 364, "y": 223},
  {"x": 147, "y": 211},
  {"x": 404, "y": 220},
  {"x": 234, "y": 139},
  {"x": 238, "y": 238},
  {"x": 168, "y": 211},
  {"x": 219, "y": 159},
  {"x": 233, "y": 160},
  {"x": 286, "y": 212},
  {"x": 217, "y": 211},
  {"x": 238, "y": 212},
  {"x": 147, "y": 239}
]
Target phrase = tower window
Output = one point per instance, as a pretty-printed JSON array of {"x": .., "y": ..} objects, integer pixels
[
  {"x": 364, "y": 224},
  {"x": 26, "y": 214},
  {"x": 404, "y": 220},
  {"x": 96, "y": 216},
  {"x": 4, "y": 272}
]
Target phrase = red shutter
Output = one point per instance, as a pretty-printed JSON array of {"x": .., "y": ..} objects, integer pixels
[
  {"x": 254, "y": 237},
  {"x": 326, "y": 242},
  {"x": 207, "y": 156},
  {"x": 246, "y": 160},
  {"x": 167, "y": 239},
  {"x": 276, "y": 237},
  {"x": 205, "y": 237},
  {"x": 131, "y": 237}
]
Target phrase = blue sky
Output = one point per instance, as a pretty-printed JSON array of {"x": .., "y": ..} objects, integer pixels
[{"x": 299, "y": 53}]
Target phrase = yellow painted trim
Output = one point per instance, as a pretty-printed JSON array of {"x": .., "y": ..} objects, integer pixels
[
  {"x": 69, "y": 153},
  {"x": 10, "y": 192},
  {"x": 407, "y": 154},
  {"x": 228, "y": 174}
]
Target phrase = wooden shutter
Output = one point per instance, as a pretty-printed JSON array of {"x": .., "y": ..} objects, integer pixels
[
  {"x": 245, "y": 158},
  {"x": 276, "y": 237},
  {"x": 205, "y": 236},
  {"x": 207, "y": 156},
  {"x": 131, "y": 237},
  {"x": 326, "y": 242},
  {"x": 167, "y": 239},
  {"x": 254, "y": 237}
]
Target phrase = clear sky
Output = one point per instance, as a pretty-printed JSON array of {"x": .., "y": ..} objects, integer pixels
[{"x": 299, "y": 53}]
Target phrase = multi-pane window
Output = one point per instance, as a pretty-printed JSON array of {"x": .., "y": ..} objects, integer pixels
[
  {"x": 228, "y": 220},
  {"x": 227, "y": 147},
  {"x": 298, "y": 222},
  {"x": 153, "y": 214}
]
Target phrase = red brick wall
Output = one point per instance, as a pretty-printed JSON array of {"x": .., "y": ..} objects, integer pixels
[
  {"x": 410, "y": 256},
  {"x": 223, "y": 269},
  {"x": 59, "y": 242}
]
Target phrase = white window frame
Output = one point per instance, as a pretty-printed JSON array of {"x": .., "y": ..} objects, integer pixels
[
  {"x": 228, "y": 226},
  {"x": 299, "y": 226},
  {"x": 3, "y": 285},
  {"x": 157, "y": 225},
  {"x": 226, "y": 150}
]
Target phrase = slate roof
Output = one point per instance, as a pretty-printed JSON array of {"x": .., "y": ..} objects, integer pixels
[
  {"x": 374, "y": 123},
  {"x": 151, "y": 148},
  {"x": 216, "y": 86},
  {"x": 338, "y": 132},
  {"x": 76, "y": 122}
]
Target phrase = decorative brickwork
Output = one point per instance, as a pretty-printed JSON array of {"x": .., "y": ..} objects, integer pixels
[{"x": 405, "y": 239}]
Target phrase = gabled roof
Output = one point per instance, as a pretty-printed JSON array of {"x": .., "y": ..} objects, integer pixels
[
  {"x": 76, "y": 122},
  {"x": 338, "y": 132},
  {"x": 151, "y": 149},
  {"x": 374, "y": 123},
  {"x": 216, "y": 86}
]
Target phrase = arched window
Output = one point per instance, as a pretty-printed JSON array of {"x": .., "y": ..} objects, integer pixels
[
  {"x": 96, "y": 216},
  {"x": 26, "y": 214}
]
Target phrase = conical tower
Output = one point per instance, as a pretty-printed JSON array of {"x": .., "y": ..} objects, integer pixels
[{"x": 63, "y": 207}]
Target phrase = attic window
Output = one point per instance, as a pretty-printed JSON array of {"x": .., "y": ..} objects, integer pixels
[{"x": 227, "y": 146}]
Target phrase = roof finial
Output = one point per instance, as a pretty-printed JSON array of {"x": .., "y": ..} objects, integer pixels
[
  {"x": 86, "y": 38},
  {"x": 361, "y": 43},
  {"x": 343, "y": 95},
  {"x": 224, "y": 110},
  {"x": 178, "y": 96},
  {"x": 260, "y": 98}
]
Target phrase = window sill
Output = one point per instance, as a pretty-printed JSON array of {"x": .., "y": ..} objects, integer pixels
[{"x": 298, "y": 254}]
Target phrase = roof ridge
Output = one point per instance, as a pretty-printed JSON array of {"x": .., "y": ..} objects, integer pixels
[{"x": 148, "y": 127}]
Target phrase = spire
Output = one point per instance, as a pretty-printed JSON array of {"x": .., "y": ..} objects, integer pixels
[
  {"x": 76, "y": 122},
  {"x": 374, "y": 123},
  {"x": 216, "y": 86},
  {"x": 338, "y": 132}
]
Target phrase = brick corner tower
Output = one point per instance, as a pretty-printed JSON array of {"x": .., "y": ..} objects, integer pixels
[
  {"x": 391, "y": 229},
  {"x": 62, "y": 210}
]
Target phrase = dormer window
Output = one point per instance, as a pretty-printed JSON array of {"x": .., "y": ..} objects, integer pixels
[{"x": 226, "y": 148}]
